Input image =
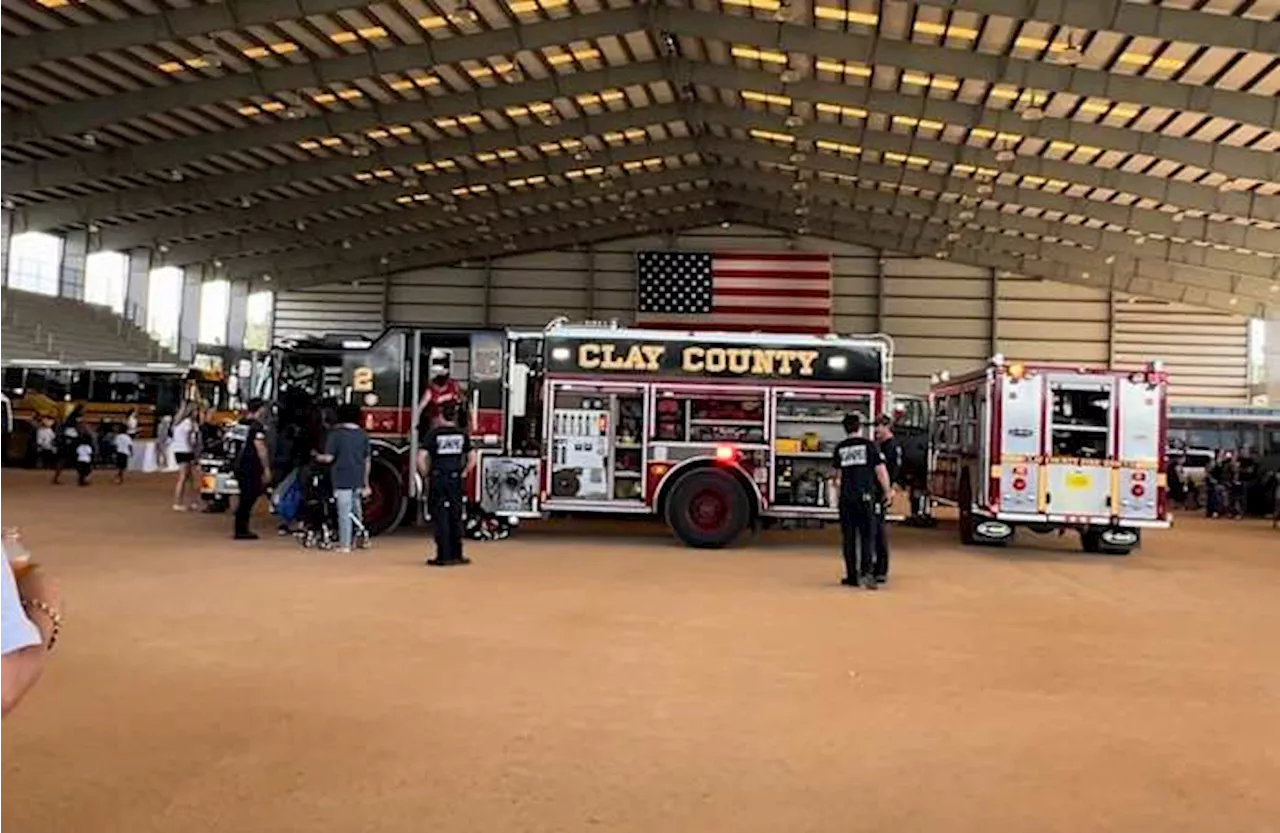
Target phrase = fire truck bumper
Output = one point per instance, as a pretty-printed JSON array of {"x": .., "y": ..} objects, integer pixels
[{"x": 1073, "y": 520}]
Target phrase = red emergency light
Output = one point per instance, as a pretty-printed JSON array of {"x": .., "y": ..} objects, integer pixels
[{"x": 726, "y": 453}]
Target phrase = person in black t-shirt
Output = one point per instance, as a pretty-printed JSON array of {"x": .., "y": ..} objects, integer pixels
[
  {"x": 448, "y": 451},
  {"x": 864, "y": 481},
  {"x": 892, "y": 453},
  {"x": 253, "y": 468}
]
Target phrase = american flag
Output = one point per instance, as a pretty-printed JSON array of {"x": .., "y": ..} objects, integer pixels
[{"x": 784, "y": 292}]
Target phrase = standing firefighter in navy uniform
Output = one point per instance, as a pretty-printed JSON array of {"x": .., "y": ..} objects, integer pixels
[
  {"x": 445, "y": 450},
  {"x": 864, "y": 481},
  {"x": 891, "y": 452}
]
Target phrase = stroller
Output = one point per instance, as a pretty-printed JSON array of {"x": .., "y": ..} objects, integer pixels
[{"x": 308, "y": 492}]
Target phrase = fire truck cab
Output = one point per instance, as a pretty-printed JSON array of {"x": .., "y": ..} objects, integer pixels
[{"x": 1051, "y": 448}]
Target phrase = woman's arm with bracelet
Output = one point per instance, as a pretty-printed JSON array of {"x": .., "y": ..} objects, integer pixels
[{"x": 31, "y": 622}]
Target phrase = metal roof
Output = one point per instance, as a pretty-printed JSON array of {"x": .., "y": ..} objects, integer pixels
[{"x": 1124, "y": 144}]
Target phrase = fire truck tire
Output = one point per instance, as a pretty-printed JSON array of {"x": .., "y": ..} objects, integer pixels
[
  {"x": 708, "y": 509},
  {"x": 965, "y": 502},
  {"x": 385, "y": 508}
]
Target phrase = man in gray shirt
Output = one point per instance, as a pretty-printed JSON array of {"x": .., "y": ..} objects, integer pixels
[{"x": 346, "y": 450}]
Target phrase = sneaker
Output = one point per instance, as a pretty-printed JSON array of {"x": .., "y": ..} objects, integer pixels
[
  {"x": 344, "y": 550},
  {"x": 849, "y": 582},
  {"x": 246, "y": 536},
  {"x": 452, "y": 562},
  {"x": 869, "y": 582},
  {"x": 178, "y": 507},
  {"x": 881, "y": 579}
]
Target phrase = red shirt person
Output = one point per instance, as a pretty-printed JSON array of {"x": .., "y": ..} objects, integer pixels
[{"x": 441, "y": 390}]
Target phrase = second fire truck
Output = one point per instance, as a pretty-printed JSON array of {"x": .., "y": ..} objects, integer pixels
[
  {"x": 1051, "y": 448},
  {"x": 715, "y": 433}
]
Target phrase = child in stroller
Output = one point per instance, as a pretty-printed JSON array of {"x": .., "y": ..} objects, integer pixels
[{"x": 317, "y": 511}]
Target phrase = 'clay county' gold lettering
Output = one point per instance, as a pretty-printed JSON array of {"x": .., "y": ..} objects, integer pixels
[
  {"x": 606, "y": 357},
  {"x": 743, "y": 360}
]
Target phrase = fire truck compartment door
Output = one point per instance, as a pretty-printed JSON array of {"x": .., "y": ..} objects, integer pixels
[
  {"x": 1021, "y": 417},
  {"x": 1138, "y": 423},
  {"x": 509, "y": 486}
]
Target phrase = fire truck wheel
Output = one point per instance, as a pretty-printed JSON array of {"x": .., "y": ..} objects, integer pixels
[
  {"x": 385, "y": 508},
  {"x": 708, "y": 508},
  {"x": 966, "y": 511}
]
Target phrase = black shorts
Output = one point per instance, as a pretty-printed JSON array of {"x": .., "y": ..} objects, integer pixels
[
  {"x": 183, "y": 457},
  {"x": 122, "y": 461}
]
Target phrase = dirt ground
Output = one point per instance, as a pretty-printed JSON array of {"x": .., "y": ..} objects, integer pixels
[{"x": 599, "y": 677}]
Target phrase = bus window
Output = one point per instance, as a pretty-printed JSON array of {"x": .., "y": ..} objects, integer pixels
[
  {"x": 52, "y": 383},
  {"x": 167, "y": 394},
  {"x": 81, "y": 387},
  {"x": 14, "y": 379}
]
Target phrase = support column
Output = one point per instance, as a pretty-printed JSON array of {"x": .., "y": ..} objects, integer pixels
[
  {"x": 881, "y": 295},
  {"x": 138, "y": 287},
  {"x": 6, "y": 231},
  {"x": 237, "y": 315},
  {"x": 75, "y": 248},
  {"x": 488, "y": 291},
  {"x": 1111, "y": 328},
  {"x": 1271, "y": 360},
  {"x": 995, "y": 314},
  {"x": 189, "y": 317},
  {"x": 591, "y": 282}
]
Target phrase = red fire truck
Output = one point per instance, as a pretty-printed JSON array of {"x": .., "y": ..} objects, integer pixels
[
  {"x": 714, "y": 432},
  {"x": 1051, "y": 448}
]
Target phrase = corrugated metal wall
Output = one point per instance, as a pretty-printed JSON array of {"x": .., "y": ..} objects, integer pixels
[
  {"x": 941, "y": 315},
  {"x": 1205, "y": 352}
]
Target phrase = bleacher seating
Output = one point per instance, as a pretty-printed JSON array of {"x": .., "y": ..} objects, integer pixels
[{"x": 38, "y": 326}]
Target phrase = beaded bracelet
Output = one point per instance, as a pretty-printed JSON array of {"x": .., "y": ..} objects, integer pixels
[{"x": 54, "y": 616}]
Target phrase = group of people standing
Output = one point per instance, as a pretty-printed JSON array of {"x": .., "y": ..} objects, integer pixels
[
  {"x": 73, "y": 445},
  {"x": 867, "y": 470}
]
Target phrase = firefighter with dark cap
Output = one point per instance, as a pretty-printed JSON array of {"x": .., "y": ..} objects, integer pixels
[
  {"x": 891, "y": 451},
  {"x": 864, "y": 483},
  {"x": 442, "y": 389},
  {"x": 444, "y": 453}
]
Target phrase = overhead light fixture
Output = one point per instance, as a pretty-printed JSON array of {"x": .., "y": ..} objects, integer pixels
[
  {"x": 1005, "y": 155},
  {"x": 163, "y": 248},
  {"x": 266, "y": 278},
  {"x": 450, "y": 208},
  {"x": 965, "y": 214},
  {"x": 800, "y": 210},
  {"x": 1109, "y": 259},
  {"x": 1233, "y": 301},
  {"x": 797, "y": 157},
  {"x": 985, "y": 189},
  {"x": 217, "y": 263},
  {"x": 799, "y": 185},
  {"x": 1070, "y": 55},
  {"x": 789, "y": 76},
  {"x": 93, "y": 228},
  {"x": 175, "y": 175},
  {"x": 8, "y": 204},
  {"x": 1085, "y": 275},
  {"x": 384, "y": 260},
  {"x": 953, "y": 236},
  {"x": 463, "y": 15},
  {"x": 726, "y": 224},
  {"x": 793, "y": 120},
  {"x": 1034, "y": 109},
  {"x": 484, "y": 228},
  {"x": 246, "y": 202},
  {"x": 360, "y": 149},
  {"x": 346, "y": 244},
  {"x": 89, "y": 139},
  {"x": 582, "y": 155},
  {"x": 941, "y": 254}
]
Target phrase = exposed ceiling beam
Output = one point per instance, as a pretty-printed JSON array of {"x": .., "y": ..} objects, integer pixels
[
  {"x": 1144, "y": 220},
  {"x": 927, "y": 238},
  {"x": 1236, "y": 161},
  {"x": 1137, "y": 20},
  {"x": 1230, "y": 161},
  {"x": 1238, "y": 272},
  {"x": 890, "y": 234},
  {"x": 79, "y": 116},
  {"x": 1139, "y": 219},
  {"x": 122, "y": 203},
  {"x": 1260, "y": 110},
  {"x": 329, "y": 232},
  {"x": 169, "y": 25},
  {"x": 529, "y": 234},
  {"x": 264, "y": 213},
  {"x": 174, "y": 153}
]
